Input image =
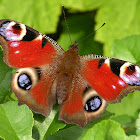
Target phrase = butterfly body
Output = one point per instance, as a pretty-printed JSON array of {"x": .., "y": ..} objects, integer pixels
[
  {"x": 66, "y": 72},
  {"x": 46, "y": 74}
]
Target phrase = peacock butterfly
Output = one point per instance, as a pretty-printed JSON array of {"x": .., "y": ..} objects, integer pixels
[{"x": 82, "y": 85}]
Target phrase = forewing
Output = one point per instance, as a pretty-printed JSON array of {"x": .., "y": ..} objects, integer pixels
[
  {"x": 111, "y": 78},
  {"x": 26, "y": 47}
]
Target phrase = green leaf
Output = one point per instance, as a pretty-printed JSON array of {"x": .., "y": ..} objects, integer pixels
[
  {"x": 48, "y": 126},
  {"x": 127, "y": 49},
  {"x": 16, "y": 122},
  {"x": 133, "y": 138},
  {"x": 82, "y": 5},
  {"x": 129, "y": 105},
  {"x": 5, "y": 79},
  {"x": 138, "y": 125},
  {"x": 127, "y": 123},
  {"x": 124, "y": 120},
  {"x": 67, "y": 134},
  {"x": 42, "y": 15},
  {"x": 105, "y": 130},
  {"x": 76, "y": 132},
  {"x": 122, "y": 19}
]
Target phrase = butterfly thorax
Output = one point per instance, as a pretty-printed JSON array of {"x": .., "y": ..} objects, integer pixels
[{"x": 67, "y": 69}]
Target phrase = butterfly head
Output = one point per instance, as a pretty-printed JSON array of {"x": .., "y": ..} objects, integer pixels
[{"x": 74, "y": 47}]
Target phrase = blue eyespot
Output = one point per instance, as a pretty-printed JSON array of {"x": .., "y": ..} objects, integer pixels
[{"x": 24, "y": 81}]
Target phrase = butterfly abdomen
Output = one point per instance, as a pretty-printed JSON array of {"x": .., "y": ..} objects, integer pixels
[{"x": 63, "y": 86}]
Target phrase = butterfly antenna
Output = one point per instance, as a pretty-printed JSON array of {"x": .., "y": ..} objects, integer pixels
[
  {"x": 93, "y": 32},
  {"x": 66, "y": 22}
]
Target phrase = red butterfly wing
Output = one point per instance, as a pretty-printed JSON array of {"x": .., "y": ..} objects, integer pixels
[
  {"x": 35, "y": 88},
  {"x": 111, "y": 78},
  {"x": 26, "y": 47},
  {"x": 37, "y": 56},
  {"x": 76, "y": 108}
]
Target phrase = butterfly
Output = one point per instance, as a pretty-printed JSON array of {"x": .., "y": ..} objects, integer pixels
[{"x": 46, "y": 74}]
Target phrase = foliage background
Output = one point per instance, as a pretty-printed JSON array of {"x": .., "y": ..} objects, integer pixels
[{"x": 119, "y": 38}]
